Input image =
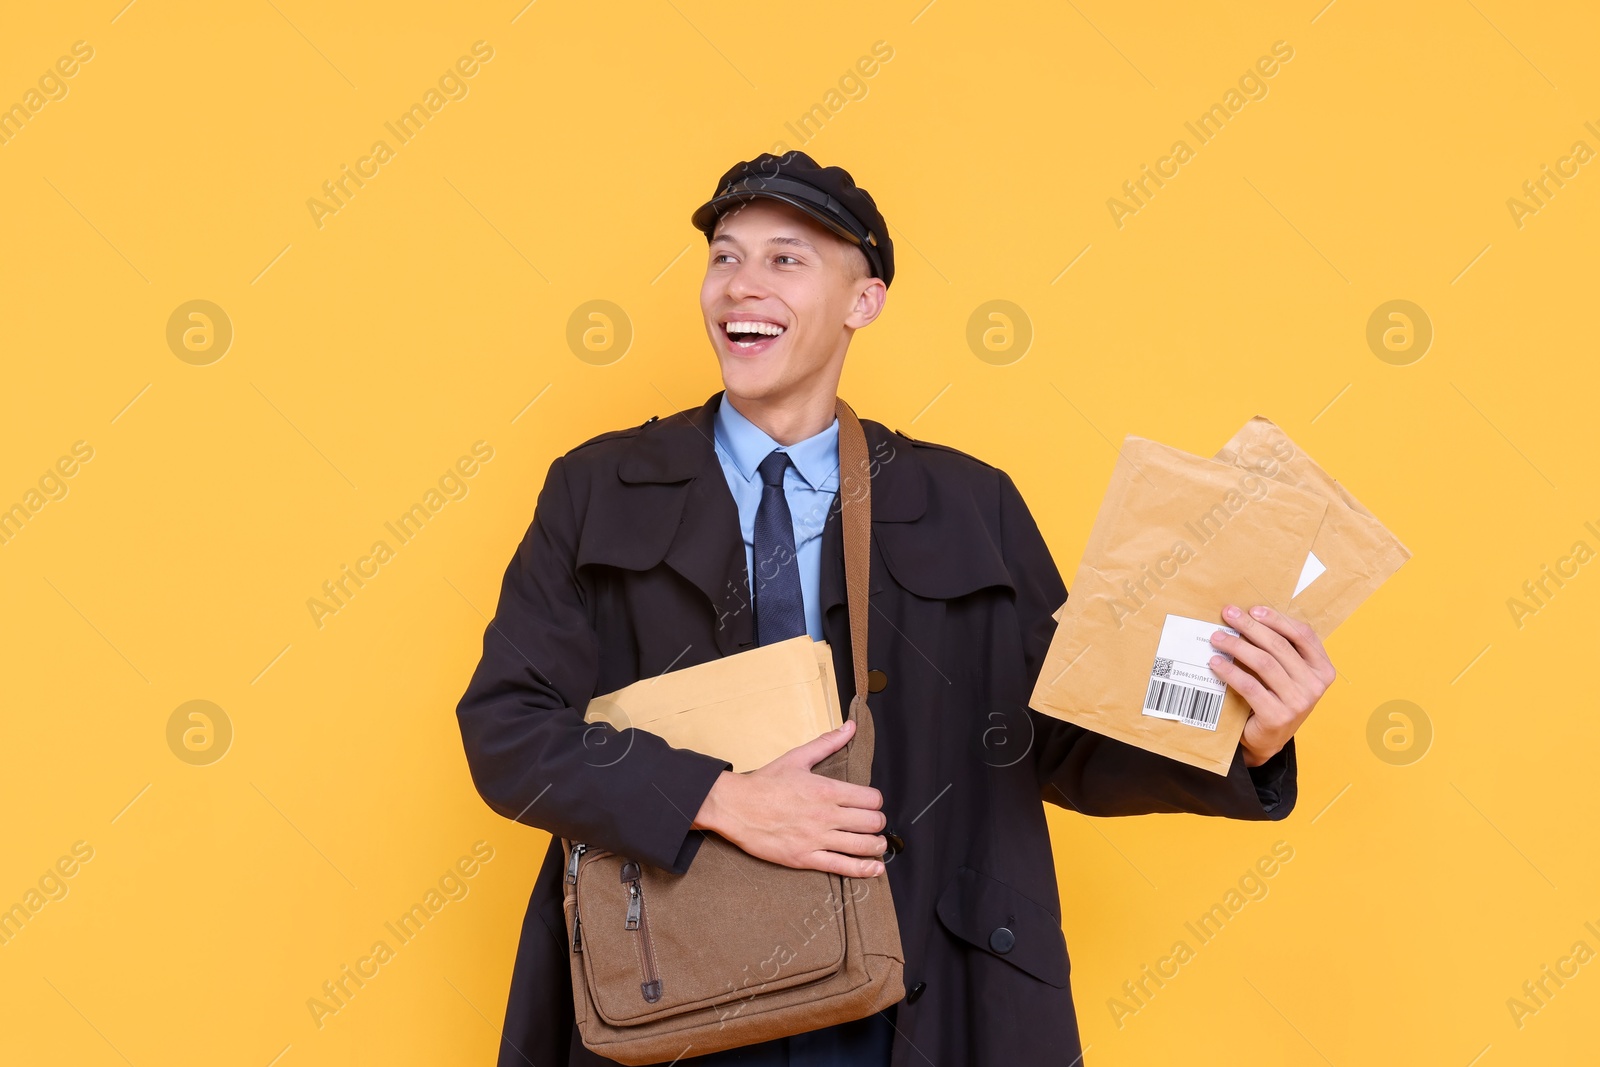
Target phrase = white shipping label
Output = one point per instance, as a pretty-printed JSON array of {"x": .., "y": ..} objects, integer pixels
[
  {"x": 1309, "y": 573},
  {"x": 1182, "y": 685}
]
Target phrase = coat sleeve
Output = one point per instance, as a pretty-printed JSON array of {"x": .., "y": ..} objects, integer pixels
[
  {"x": 532, "y": 757},
  {"x": 1099, "y": 775}
]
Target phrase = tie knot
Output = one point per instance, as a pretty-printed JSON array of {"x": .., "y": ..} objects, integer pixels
[{"x": 773, "y": 466}]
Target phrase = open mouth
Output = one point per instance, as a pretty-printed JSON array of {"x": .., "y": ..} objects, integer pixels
[{"x": 749, "y": 335}]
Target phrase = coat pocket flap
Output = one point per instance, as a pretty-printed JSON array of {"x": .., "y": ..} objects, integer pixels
[
  {"x": 999, "y": 920},
  {"x": 962, "y": 558}
]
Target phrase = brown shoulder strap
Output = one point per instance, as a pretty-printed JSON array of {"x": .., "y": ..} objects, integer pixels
[{"x": 855, "y": 494}]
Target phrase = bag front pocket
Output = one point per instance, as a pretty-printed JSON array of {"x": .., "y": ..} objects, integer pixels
[{"x": 652, "y": 948}]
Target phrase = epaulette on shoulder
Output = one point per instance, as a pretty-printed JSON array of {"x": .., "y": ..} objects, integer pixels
[
  {"x": 612, "y": 435},
  {"x": 945, "y": 448}
]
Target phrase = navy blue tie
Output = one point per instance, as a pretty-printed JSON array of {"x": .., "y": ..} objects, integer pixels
[{"x": 779, "y": 607}]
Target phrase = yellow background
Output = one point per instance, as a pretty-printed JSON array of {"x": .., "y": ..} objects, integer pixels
[{"x": 432, "y": 309}]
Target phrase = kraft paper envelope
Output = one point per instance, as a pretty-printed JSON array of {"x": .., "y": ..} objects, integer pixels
[
  {"x": 1176, "y": 538},
  {"x": 1355, "y": 552},
  {"x": 749, "y": 708}
]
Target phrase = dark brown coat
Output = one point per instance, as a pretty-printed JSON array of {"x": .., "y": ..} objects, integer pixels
[{"x": 633, "y": 565}]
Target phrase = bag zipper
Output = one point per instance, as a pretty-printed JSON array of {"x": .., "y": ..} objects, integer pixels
[
  {"x": 578, "y": 849},
  {"x": 638, "y": 920}
]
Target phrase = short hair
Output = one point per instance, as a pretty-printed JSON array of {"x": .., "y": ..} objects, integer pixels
[{"x": 858, "y": 267}]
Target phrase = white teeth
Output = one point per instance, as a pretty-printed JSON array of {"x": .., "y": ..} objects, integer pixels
[{"x": 768, "y": 328}]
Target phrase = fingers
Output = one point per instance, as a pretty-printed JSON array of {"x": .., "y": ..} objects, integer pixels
[
  {"x": 860, "y": 820},
  {"x": 1303, "y": 637},
  {"x": 820, "y": 748},
  {"x": 844, "y": 866},
  {"x": 848, "y": 796},
  {"x": 1258, "y": 696},
  {"x": 870, "y": 846},
  {"x": 1265, "y": 664},
  {"x": 1264, "y": 637}
]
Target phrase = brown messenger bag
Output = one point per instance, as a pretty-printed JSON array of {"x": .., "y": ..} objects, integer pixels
[{"x": 738, "y": 950}]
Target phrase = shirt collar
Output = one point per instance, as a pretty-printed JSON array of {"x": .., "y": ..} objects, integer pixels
[{"x": 816, "y": 458}]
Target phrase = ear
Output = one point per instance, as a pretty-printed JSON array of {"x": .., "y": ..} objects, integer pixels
[{"x": 871, "y": 294}]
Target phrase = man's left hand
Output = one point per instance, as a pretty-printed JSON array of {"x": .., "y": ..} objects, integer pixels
[{"x": 1289, "y": 670}]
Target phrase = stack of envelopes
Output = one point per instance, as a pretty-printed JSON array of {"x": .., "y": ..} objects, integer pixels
[
  {"x": 1177, "y": 537},
  {"x": 748, "y": 708}
]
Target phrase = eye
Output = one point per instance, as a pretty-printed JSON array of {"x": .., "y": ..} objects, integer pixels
[
  {"x": 791, "y": 259},
  {"x": 718, "y": 257}
]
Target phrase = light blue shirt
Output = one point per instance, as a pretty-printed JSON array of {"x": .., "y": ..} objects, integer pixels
[{"x": 809, "y": 486}]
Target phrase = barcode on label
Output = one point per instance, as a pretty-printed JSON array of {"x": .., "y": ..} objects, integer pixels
[{"x": 1189, "y": 704}]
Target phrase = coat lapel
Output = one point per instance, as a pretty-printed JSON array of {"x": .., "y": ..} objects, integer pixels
[{"x": 674, "y": 507}]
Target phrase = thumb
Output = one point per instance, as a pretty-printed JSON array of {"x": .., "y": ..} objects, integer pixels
[{"x": 820, "y": 748}]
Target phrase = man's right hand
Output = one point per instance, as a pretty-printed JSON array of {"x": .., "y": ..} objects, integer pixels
[{"x": 786, "y": 814}]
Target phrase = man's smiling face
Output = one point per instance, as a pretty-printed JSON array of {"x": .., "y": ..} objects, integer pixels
[{"x": 782, "y": 297}]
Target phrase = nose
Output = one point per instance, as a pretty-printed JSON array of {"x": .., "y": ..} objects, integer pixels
[{"x": 747, "y": 280}]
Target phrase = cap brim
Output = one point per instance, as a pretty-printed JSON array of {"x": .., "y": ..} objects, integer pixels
[{"x": 705, "y": 218}]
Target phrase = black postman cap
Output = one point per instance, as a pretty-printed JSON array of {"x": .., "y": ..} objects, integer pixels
[{"x": 827, "y": 194}]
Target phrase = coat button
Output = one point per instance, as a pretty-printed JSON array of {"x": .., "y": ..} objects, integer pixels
[
  {"x": 1002, "y": 940},
  {"x": 915, "y": 991},
  {"x": 897, "y": 844},
  {"x": 877, "y": 681}
]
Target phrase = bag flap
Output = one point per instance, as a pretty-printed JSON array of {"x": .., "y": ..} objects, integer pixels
[{"x": 732, "y": 928}]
